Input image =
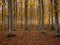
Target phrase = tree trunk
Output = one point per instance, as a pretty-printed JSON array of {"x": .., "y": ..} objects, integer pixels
[
  {"x": 14, "y": 17},
  {"x": 56, "y": 17},
  {"x": 21, "y": 14},
  {"x": 10, "y": 18},
  {"x": 31, "y": 13},
  {"x": 16, "y": 14},
  {"x": 52, "y": 14},
  {"x": 49, "y": 15},
  {"x": 39, "y": 14},
  {"x": 26, "y": 18},
  {"x": 42, "y": 16},
  {"x": 3, "y": 14}
]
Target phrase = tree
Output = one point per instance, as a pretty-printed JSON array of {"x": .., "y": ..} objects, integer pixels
[
  {"x": 3, "y": 14},
  {"x": 52, "y": 14},
  {"x": 15, "y": 14},
  {"x": 31, "y": 14},
  {"x": 49, "y": 12},
  {"x": 21, "y": 14},
  {"x": 56, "y": 17},
  {"x": 42, "y": 16},
  {"x": 26, "y": 18},
  {"x": 39, "y": 14},
  {"x": 10, "y": 19}
]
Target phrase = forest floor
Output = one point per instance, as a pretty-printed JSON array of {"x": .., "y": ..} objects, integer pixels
[{"x": 31, "y": 36}]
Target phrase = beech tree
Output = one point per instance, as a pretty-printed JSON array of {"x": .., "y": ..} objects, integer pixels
[
  {"x": 39, "y": 14},
  {"x": 21, "y": 13},
  {"x": 26, "y": 18},
  {"x": 49, "y": 13},
  {"x": 56, "y": 17},
  {"x": 42, "y": 16},
  {"x": 10, "y": 19},
  {"x": 3, "y": 14},
  {"x": 52, "y": 14}
]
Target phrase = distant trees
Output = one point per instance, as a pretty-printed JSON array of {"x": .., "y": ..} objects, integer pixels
[{"x": 31, "y": 13}]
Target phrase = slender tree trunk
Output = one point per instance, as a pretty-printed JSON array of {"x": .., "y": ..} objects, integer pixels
[
  {"x": 42, "y": 16},
  {"x": 39, "y": 14},
  {"x": 52, "y": 14},
  {"x": 3, "y": 14},
  {"x": 8, "y": 14},
  {"x": 49, "y": 17},
  {"x": 26, "y": 18},
  {"x": 16, "y": 14},
  {"x": 14, "y": 17},
  {"x": 10, "y": 18},
  {"x": 56, "y": 17},
  {"x": 49, "y": 14},
  {"x": 31, "y": 13},
  {"x": 21, "y": 14}
]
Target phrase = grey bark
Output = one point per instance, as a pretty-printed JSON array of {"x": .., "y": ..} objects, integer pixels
[
  {"x": 39, "y": 14},
  {"x": 3, "y": 15},
  {"x": 10, "y": 17},
  {"x": 42, "y": 15},
  {"x": 26, "y": 17},
  {"x": 56, "y": 16}
]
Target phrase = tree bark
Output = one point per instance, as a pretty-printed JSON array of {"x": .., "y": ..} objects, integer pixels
[
  {"x": 39, "y": 14},
  {"x": 49, "y": 15},
  {"x": 42, "y": 15},
  {"x": 3, "y": 14},
  {"x": 52, "y": 14},
  {"x": 10, "y": 18},
  {"x": 56, "y": 16},
  {"x": 26, "y": 18},
  {"x": 21, "y": 14},
  {"x": 15, "y": 15}
]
